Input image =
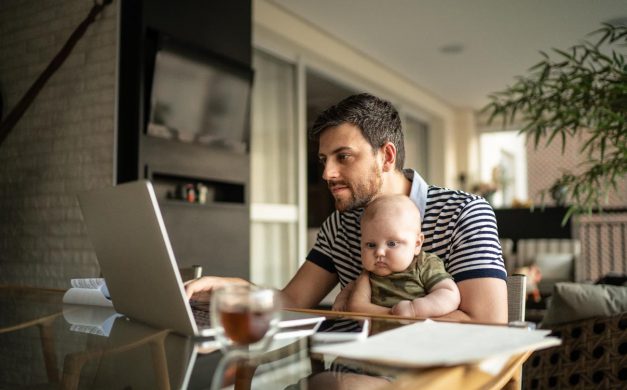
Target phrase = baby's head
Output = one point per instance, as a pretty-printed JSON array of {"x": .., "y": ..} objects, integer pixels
[{"x": 390, "y": 234}]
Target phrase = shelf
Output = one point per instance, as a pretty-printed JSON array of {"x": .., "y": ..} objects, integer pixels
[
  {"x": 171, "y": 188},
  {"x": 182, "y": 203}
]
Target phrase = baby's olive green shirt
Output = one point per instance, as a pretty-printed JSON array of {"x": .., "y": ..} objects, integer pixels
[{"x": 424, "y": 272}]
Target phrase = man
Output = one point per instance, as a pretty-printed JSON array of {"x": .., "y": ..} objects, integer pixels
[{"x": 362, "y": 151}]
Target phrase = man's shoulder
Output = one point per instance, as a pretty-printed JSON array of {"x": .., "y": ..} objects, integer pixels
[
  {"x": 347, "y": 219},
  {"x": 442, "y": 198},
  {"x": 443, "y": 193}
]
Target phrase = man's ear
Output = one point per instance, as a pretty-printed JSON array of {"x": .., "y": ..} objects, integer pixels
[
  {"x": 388, "y": 151},
  {"x": 419, "y": 241}
]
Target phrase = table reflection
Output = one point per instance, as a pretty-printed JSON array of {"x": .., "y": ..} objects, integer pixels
[{"x": 46, "y": 344}]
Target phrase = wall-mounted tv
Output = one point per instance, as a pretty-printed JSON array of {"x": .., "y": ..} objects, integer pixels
[{"x": 197, "y": 98}]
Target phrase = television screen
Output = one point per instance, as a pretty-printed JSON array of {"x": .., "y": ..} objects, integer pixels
[{"x": 197, "y": 101}]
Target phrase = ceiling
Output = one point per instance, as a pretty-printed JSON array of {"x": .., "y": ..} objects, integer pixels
[{"x": 499, "y": 38}]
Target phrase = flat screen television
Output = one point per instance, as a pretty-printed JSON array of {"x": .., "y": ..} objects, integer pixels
[{"x": 198, "y": 99}]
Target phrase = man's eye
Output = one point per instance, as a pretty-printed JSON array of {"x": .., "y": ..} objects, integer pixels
[
  {"x": 392, "y": 244},
  {"x": 322, "y": 161},
  {"x": 370, "y": 245},
  {"x": 343, "y": 156}
]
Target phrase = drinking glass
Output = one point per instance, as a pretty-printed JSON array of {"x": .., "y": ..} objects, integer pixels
[{"x": 245, "y": 317}]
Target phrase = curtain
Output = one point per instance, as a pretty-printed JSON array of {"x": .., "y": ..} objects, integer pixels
[{"x": 274, "y": 163}]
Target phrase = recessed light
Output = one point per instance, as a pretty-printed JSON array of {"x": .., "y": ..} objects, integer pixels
[{"x": 452, "y": 48}]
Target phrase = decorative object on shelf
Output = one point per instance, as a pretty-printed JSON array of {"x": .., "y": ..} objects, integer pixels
[
  {"x": 559, "y": 193},
  {"x": 192, "y": 193},
  {"x": 202, "y": 192},
  {"x": 581, "y": 93}
]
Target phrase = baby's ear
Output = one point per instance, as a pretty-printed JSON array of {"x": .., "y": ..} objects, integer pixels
[{"x": 419, "y": 240}]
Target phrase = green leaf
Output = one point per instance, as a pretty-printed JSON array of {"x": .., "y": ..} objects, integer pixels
[{"x": 583, "y": 92}]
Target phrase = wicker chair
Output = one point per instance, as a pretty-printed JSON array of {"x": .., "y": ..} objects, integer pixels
[{"x": 593, "y": 355}]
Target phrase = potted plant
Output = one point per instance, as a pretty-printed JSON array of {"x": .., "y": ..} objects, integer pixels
[{"x": 583, "y": 90}]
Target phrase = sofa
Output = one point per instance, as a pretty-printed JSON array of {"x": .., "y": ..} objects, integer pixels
[{"x": 591, "y": 321}]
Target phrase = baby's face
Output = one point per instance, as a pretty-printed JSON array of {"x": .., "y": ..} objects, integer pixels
[{"x": 388, "y": 245}]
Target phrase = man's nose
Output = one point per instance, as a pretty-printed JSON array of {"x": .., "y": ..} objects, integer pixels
[{"x": 330, "y": 171}]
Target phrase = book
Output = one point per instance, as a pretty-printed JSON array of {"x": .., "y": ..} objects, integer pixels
[
  {"x": 95, "y": 320},
  {"x": 88, "y": 291}
]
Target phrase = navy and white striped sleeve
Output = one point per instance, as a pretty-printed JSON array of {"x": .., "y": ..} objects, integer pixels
[
  {"x": 475, "y": 248},
  {"x": 320, "y": 254}
]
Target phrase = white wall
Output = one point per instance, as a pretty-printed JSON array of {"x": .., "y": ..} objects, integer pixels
[{"x": 288, "y": 36}]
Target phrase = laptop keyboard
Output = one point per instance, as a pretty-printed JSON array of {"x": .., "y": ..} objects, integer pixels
[{"x": 200, "y": 310}]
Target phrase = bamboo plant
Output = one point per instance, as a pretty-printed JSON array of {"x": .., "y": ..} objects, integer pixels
[{"x": 581, "y": 90}]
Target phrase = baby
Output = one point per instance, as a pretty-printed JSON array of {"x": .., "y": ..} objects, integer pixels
[{"x": 397, "y": 273}]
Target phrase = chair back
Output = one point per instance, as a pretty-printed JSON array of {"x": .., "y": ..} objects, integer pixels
[{"x": 516, "y": 296}]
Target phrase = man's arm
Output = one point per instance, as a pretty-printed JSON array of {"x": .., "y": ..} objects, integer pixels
[
  {"x": 307, "y": 288},
  {"x": 476, "y": 254},
  {"x": 482, "y": 300},
  {"x": 360, "y": 299},
  {"x": 442, "y": 299}
]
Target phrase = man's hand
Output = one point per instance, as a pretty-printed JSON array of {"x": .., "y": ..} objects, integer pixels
[
  {"x": 200, "y": 289},
  {"x": 341, "y": 300}
]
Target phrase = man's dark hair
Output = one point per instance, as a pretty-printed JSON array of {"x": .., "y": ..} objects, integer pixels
[{"x": 377, "y": 119}]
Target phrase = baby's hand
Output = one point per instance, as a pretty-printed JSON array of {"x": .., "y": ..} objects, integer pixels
[{"x": 404, "y": 308}]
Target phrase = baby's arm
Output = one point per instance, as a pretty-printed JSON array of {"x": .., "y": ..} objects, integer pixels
[
  {"x": 359, "y": 300},
  {"x": 442, "y": 299}
]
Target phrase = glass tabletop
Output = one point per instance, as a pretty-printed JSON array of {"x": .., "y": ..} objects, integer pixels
[{"x": 47, "y": 344}]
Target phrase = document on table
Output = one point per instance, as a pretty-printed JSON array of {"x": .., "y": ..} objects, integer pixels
[{"x": 429, "y": 343}]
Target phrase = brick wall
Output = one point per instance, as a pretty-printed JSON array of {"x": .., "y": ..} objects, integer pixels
[
  {"x": 64, "y": 143},
  {"x": 546, "y": 163},
  {"x": 602, "y": 236}
]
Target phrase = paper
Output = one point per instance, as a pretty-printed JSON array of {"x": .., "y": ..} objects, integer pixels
[
  {"x": 86, "y": 296},
  {"x": 88, "y": 291},
  {"x": 90, "y": 319},
  {"x": 92, "y": 283},
  {"x": 430, "y": 343}
]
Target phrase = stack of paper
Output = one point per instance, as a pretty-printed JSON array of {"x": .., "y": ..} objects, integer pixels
[
  {"x": 88, "y": 291},
  {"x": 429, "y": 343}
]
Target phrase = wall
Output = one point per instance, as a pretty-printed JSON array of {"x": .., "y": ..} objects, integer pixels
[
  {"x": 217, "y": 34},
  {"x": 63, "y": 144},
  {"x": 546, "y": 163},
  {"x": 281, "y": 32},
  {"x": 467, "y": 148}
]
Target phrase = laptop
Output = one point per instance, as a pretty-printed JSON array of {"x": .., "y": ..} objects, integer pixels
[{"x": 137, "y": 261}]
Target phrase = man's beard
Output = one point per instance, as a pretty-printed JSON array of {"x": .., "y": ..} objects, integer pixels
[{"x": 361, "y": 193}]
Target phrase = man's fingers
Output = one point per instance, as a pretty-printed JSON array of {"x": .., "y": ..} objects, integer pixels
[
  {"x": 198, "y": 285},
  {"x": 206, "y": 284}
]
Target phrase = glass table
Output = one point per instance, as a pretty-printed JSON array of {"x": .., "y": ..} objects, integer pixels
[{"x": 46, "y": 344}]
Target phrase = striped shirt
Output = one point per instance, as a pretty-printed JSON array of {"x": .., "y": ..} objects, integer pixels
[{"x": 460, "y": 228}]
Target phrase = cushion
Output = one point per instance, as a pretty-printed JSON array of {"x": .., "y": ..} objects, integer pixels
[
  {"x": 555, "y": 265},
  {"x": 577, "y": 301}
]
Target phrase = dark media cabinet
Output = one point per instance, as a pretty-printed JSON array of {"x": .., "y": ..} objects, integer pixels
[{"x": 216, "y": 233}]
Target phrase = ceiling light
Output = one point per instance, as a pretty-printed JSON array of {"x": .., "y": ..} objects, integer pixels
[{"x": 452, "y": 48}]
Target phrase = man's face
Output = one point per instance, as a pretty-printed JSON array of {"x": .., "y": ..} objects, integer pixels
[{"x": 351, "y": 170}]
